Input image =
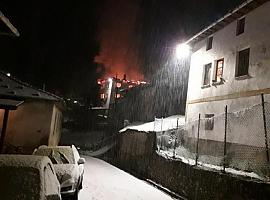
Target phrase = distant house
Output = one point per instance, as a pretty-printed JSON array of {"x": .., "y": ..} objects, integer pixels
[
  {"x": 230, "y": 65},
  {"x": 31, "y": 117}
]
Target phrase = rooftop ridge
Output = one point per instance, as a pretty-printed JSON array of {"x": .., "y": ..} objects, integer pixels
[
  {"x": 228, "y": 18},
  {"x": 30, "y": 86}
]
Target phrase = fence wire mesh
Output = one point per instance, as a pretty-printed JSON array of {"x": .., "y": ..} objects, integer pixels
[{"x": 232, "y": 141}]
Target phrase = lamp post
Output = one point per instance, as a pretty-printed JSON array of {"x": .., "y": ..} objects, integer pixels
[{"x": 182, "y": 51}]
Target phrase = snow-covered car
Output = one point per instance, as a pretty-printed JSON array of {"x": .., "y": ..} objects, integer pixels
[
  {"x": 27, "y": 177},
  {"x": 68, "y": 166}
]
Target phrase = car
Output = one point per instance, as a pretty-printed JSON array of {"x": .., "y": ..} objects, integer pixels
[
  {"x": 27, "y": 177},
  {"x": 68, "y": 166}
]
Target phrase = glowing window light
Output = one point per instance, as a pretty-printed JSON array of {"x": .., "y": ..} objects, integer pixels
[
  {"x": 118, "y": 85},
  {"x": 102, "y": 96}
]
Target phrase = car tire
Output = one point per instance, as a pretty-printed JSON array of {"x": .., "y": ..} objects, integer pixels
[{"x": 76, "y": 195}]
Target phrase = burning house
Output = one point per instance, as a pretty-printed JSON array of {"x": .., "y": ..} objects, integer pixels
[
  {"x": 112, "y": 93},
  {"x": 113, "y": 89}
]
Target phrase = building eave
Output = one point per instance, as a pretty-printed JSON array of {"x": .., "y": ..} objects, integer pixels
[
  {"x": 233, "y": 15},
  {"x": 9, "y": 25}
]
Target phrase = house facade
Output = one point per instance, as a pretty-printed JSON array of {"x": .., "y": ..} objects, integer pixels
[
  {"x": 230, "y": 66},
  {"x": 30, "y": 117}
]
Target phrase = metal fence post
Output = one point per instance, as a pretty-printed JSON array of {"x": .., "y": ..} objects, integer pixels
[
  {"x": 197, "y": 144},
  {"x": 161, "y": 126},
  {"x": 265, "y": 129},
  {"x": 174, "y": 148},
  {"x": 225, "y": 138}
]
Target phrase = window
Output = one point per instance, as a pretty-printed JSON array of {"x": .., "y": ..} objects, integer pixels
[
  {"x": 209, "y": 121},
  {"x": 102, "y": 96},
  {"x": 207, "y": 74},
  {"x": 118, "y": 85},
  {"x": 242, "y": 63},
  {"x": 219, "y": 70},
  {"x": 209, "y": 43},
  {"x": 240, "y": 28}
]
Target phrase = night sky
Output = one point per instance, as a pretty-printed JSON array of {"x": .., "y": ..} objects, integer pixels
[{"x": 67, "y": 45}]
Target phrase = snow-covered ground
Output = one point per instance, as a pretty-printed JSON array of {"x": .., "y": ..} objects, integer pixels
[
  {"x": 103, "y": 181},
  {"x": 160, "y": 124}
]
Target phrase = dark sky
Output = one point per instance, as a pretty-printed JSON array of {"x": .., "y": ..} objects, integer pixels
[{"x": 60, "y": 40}]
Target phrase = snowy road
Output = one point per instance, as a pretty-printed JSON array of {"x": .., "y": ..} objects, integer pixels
[{"x": 103, "y": 181}]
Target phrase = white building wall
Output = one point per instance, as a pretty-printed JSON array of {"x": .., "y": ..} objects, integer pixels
[{"x": 226, "y": 45}]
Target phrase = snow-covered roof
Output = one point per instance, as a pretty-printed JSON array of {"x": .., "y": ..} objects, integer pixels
[
  {"x": 9, "y": 104},
  {"x": 233, "y": 15},
  {"x": 160, "y": 124},
  {"x": 11, "y": 87},
  {"x": 32, "y": 161}
]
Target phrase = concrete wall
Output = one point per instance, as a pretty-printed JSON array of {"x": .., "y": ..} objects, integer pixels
[
  {"x": 31, "y": 126},
  {"x": 233, "y": 92}
]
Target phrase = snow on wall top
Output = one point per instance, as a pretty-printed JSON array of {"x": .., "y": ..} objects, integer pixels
[{"x": 160, "y": 124}]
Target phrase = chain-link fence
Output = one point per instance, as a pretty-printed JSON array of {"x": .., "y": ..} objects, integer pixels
[{"x": 230, "y": 141}]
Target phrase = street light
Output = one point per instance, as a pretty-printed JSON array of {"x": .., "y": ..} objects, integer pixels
[{"x": 182, "y": 51}]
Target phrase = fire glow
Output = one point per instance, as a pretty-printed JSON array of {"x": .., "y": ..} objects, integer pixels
[{"x": 118, "y": 41}]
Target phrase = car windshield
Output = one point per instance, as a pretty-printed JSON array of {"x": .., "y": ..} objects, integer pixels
[{"x": 57, "y": 155}]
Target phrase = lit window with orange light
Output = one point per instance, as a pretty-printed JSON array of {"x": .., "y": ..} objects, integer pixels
[{"x": 118, "y": 85}]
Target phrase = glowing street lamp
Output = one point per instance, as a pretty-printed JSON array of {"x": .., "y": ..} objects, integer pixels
[{"x": 182, "y": 51}]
